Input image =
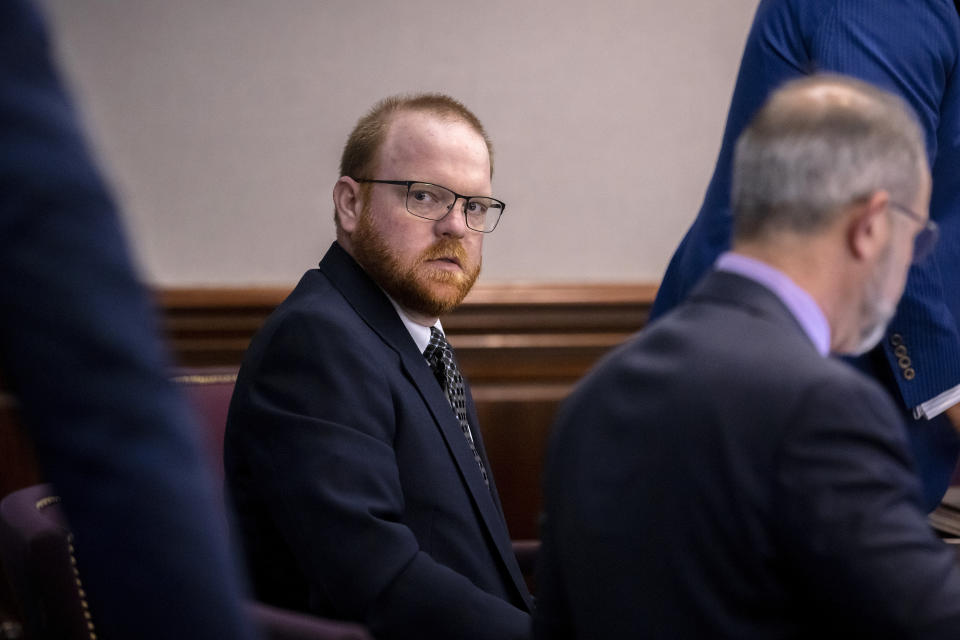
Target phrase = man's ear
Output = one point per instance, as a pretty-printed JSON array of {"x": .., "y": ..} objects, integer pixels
[
  {"x": 868, "y": 226},
  {"x": 347, "y": 200}
]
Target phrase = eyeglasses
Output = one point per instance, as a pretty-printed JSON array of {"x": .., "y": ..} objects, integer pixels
[
  {"x": 433, "y": 202},
  {"x": 926, "y": 238}
]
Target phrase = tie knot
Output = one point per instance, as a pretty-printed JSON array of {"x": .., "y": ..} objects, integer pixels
[
  {"x": 438, "y": 347},
  {"x": 439, "y": 354},
  {"x": 437, "y": 338}
]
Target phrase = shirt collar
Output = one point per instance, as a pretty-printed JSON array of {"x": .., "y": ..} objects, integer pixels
[
  {"x": 419, "y": 333},
  {"x": 803, "y": 307}
]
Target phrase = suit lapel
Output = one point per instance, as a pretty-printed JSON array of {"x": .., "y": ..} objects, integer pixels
[
  {"x": 484, "y": 498},
  {"x": 373, "y": 306}
]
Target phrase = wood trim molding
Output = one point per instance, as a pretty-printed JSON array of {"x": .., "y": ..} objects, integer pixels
[
  {"x": 527, "y": 293},
  {"x": 547, "y": 323}
]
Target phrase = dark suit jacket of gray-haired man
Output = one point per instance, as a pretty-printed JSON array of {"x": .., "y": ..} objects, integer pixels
[{"x": 720, "y": 476}]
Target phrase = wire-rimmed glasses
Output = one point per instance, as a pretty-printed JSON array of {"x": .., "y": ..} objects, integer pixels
[
  {"x": 926, "y": 238},
  {"x": 433, "y": 202}
]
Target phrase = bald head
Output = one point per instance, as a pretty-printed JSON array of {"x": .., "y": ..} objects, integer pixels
[{"x": 818, "y": 145}]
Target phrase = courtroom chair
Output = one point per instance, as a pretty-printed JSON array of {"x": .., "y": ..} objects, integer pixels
[
  {"x": 209, "y": 389},
  {"x": 526, "y": 552},
  {"x": 282, "y": 624},
  {"x": 46, "y": 572},
  {"x": 38, "y": 556}
]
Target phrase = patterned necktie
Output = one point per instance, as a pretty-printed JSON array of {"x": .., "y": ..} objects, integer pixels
[{"x": 439, "y": 354}]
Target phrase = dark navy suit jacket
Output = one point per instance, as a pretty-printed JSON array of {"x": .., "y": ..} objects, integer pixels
[
  {"x": 717, "y": 478},
  {"x": 79, "y": 350},
  {"x": 357, "y": 495},
  {"x": 909, "y": 47}
]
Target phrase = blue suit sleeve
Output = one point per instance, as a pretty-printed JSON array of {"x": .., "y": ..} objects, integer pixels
[
  {"x": 909, "y": 48},
  {"x": 912, "y": 49},
  {"x": 79, "y": 350},
  {"x": 776, "y": 51}
]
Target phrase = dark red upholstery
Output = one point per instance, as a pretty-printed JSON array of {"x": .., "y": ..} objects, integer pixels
[
  {"x": 280, "y": 624},
  {"x": 35, "y": 548},
  {"x": 35, "y": 545},
  {"x": 36, "y": 551},
  {"x": 208, "y": 390},
  {"x": 526, "y": 552}
]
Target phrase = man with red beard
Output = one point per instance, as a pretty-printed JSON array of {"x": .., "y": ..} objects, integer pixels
[{"x": 352, "y": 452}]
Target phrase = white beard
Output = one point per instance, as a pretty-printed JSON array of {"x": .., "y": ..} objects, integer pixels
[
  {"x": 871, "y": 335},
  {"x": 875, "y": 312}
]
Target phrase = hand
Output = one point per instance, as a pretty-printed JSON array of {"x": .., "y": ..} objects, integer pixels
[{"x": 953, "y": 415}]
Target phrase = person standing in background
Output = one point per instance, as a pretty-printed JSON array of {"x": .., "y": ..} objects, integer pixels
[{"x": 911, "y": 48}]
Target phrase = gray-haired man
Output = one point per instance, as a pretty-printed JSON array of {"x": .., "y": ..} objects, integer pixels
[{"x": 720, "y": 476}]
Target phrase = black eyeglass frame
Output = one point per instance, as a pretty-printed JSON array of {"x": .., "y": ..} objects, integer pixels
[
  {"x": 926, "y": 238},
  {"x": 456, "y": 196}
]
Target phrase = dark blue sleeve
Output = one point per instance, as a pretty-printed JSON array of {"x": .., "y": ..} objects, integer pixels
[
  {"x": 911, "y": 49},
  {"x": 776, "y": 51},
  {"x": 79, "y": 349}
]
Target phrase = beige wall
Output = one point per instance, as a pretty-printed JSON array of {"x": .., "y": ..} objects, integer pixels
[{"x": 220, "y": 122}]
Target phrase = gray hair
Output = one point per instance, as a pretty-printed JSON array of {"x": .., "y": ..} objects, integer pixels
[{"x": 817, "y": 145}]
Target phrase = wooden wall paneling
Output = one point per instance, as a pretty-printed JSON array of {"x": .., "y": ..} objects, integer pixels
[
  {"x": 521, "y": 346},
  {"x": 208, "y": 326},
  {"x": 212, "y": 327},
  {"x": 516, "y": 424}
]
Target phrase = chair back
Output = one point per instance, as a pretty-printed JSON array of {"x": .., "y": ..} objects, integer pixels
[
  {"x": 37, "y": 552},
  {"x": 38, "y": 555},
  {"x": 209, "y": 389},
  {"x": 281, "y": 624}
]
